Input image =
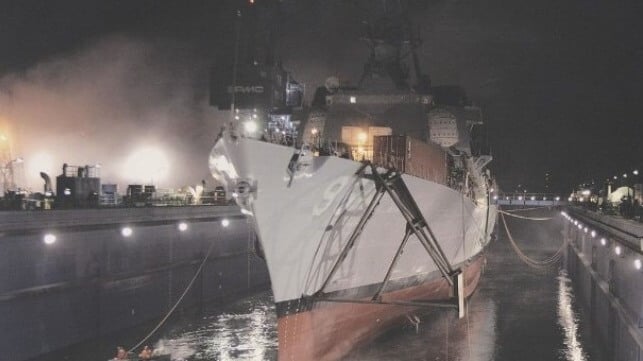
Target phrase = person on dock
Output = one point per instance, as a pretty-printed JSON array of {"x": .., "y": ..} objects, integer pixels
[
  {"x": 121, "y": 354},
  {"x": 146, "y": 353}
]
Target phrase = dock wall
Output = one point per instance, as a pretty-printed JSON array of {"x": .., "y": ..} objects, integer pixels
[
  {"x": 601, "y": 259},
  {"x": 94, "y": 281}
]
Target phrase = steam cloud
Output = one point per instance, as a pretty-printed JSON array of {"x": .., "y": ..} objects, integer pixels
[{"x": 100, "y": 104}]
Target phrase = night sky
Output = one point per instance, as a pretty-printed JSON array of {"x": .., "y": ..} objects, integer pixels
[{"x": 561, "y": 82}]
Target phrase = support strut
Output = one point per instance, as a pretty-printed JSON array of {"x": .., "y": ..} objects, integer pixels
[
  {"x": 356, "y": 232},
  {"x": 391, "y": 183}
]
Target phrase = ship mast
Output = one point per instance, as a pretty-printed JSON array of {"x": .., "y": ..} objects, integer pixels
[{"x": 392, "y": 40}]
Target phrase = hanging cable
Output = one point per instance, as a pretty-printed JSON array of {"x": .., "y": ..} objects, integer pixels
[
  {"x": 198, "y": 271},
  {"x": 523, "y": 209},
  {"x": 530, "y": 261},
  {"x": 525, "y": 217}
]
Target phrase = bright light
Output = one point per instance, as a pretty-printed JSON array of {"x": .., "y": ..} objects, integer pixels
[
  {"x": 617, "y": 250},
  {"x": 236, "y": 117},
  {"x": 575, "y": 222},
  {"x": 586, "y": 229},
  {"x": 235, "y": 194},
  {"x": 636, "y": 172},
  {"x": 557, "y": 199},
  {"x": 544, "y": 198},
  {"x": 49, "y": 238},
  {"x": 491, "y": 190},
  {"x": 147, "y": 164},
  {"x": 225, "y": 222},
  {"x": 615, "y": 177},
  {"x": 624, "y": 175},
  {"x": 495, "y": 198},
  {"x": 520, "y": 198},
  {"x": 126, "y": 231},
  {"x": 40, "y": 162},
  {"x": 586, "y": 192},
  {"x": 254, "y": 116},
  {"x": 603, "y": 241},
  {"x": 593, "y": 234},
  {"x": 361, "y": 137},
  {"x": 580, "y": 226},
  {"x": 570, "y": 199},
  {"x": 67, "y": 191},
  {"x": 250, "y": 126},
  {"x": 183, "y": 226},
  {"x": 314, "y": 131},
  {"x": 353, "y": 100},
  {"x": 533, "y": 198},
  {"x": 637, "y": 264}
]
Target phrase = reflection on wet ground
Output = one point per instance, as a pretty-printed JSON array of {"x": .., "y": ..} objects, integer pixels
[
  {"x": 245, "y": 330},
  {"x": 518, "y": 313}
]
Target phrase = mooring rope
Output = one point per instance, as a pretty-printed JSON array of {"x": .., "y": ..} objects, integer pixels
[
  {"x": 198, "y": 271},
  {"x": 530, "y": 261},
  {"x": 524, "y": 209},
  {"x": 525, "y": 217}
]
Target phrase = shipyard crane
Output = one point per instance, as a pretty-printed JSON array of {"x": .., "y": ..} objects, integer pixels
[{"x": 252, "y": 83}]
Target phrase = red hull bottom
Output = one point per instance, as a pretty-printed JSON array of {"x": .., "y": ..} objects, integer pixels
[{"x": 331, "y": 330}]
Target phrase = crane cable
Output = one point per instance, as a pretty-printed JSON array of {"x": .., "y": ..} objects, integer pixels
[
  {"x": 196, "y": 274},
  {"x": 526, "y": 259}
]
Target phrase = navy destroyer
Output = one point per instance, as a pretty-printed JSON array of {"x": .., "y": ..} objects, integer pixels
[{"x": 376, "y": 206}]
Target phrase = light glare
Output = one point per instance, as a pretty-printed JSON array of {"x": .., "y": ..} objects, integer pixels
[
  {"x": 49, "y": 238},
  {"x": 250, "y": 126},
  {"x": 146, "y": 164},
  {"x": 183, "y": 226},
  {"x": 225, "y": 222},
  {"x": 126, "y": 231}
]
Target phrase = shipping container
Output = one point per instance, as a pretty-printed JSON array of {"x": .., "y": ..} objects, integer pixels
[{"x": 411, "y": 156}]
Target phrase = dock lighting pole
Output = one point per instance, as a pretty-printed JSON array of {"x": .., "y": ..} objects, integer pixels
[{"x": 635, "y": 172}]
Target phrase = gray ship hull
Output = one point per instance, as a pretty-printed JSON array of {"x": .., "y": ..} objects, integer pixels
[{"x": 93, "y": 281}]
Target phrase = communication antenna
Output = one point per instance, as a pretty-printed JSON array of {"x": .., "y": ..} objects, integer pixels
[{"x": 235, "y": 64}]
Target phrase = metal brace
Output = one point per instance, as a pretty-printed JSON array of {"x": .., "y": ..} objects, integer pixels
[{"x": 393, "y": 184}]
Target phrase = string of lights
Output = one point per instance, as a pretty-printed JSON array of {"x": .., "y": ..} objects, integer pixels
[{"x": 620, "y": 249}]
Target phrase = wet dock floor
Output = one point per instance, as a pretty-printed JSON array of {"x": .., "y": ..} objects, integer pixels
[{"x": 517, "y": 313}]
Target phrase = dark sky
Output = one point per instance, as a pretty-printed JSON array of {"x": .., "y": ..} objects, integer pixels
[{"x": 561, "y": 81}]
